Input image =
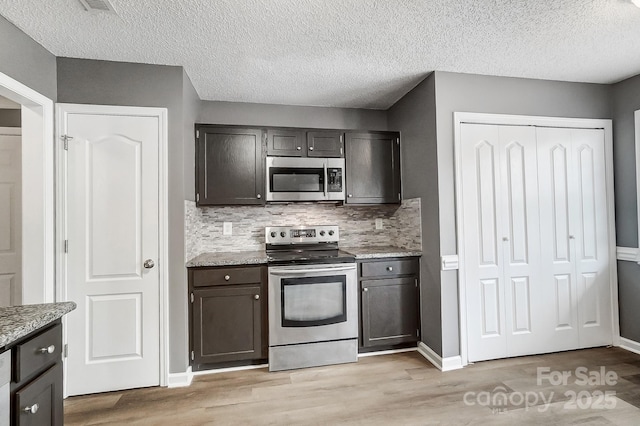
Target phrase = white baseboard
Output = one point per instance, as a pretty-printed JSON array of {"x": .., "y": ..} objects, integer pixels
[
  {"x": 443, "y": 364},
  {"x": 630, "y": 254},
  {"x": 630, "y": 345},
  {"x": 180, "y": 380},
  {"x": 390, "y": 351}
]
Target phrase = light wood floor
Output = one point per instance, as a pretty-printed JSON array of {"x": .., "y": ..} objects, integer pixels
[{"x": 398, "y": 389}]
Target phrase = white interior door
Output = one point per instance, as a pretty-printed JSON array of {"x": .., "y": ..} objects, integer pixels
[
  {"x": 113, "y": 235},
  {"x": 574, "y": 205},
  {"x": 501, "y": 251},
  {"x": 10, "y": 217}
]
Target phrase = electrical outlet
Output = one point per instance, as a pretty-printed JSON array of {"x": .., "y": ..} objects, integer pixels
[
  {"x": 379, "y": 224},
  {"x": 227, "y": 228}
]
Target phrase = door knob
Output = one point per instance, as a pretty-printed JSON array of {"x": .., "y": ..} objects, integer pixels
[
  {"x": 310, "y": 148},
  {"x": 149, "y": 264},
  {"x": 257, "y": 297}
]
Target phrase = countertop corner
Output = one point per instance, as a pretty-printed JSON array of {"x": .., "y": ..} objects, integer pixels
[
  {"x": 18, "y": 321},
  {"x": 228, "y": 259}
]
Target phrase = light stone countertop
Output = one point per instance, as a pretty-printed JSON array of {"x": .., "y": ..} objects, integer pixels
[
  {"x": 228, "y": 259},
  {"x": 18, "y": 321},
  {"x": 375, "y": 252}
]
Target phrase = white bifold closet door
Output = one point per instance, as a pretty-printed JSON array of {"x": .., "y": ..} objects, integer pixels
[{"x": 528, "y": 194}]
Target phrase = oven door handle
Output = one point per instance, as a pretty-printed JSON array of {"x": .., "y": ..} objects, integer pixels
[{"x": 310, "y": 271}]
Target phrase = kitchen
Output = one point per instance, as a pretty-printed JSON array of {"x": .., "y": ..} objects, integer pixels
[{"x": 425, "y": 121}]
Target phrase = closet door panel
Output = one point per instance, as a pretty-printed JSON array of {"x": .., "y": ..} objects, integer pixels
[
  {"x": 482, "y": 222},
  {"x": 589, "y": 234},
  {"x": 518, "y": 189},
  {"x": 557, "y": 266}
]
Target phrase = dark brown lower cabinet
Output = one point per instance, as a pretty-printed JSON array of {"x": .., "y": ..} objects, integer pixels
[
  {"x": 40, "y": 402},
  {"x": 36, "y": 378},
  {"x": 227, "y": 319},
  {"x": 389, "y": 303}
]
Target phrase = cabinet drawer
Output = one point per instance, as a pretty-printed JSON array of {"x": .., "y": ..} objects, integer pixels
[
  {"x": 383, "y": 268},
  {"x": 223, "y": 276},
  {"x": 40, "y": 403},
  {"x": 38, "y": 353}
]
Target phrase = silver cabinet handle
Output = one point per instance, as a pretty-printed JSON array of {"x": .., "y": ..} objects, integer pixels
[
  {"x": 149, "y": 264},
  {"x": 257, "y": 297},
  {"x": 48, "y": 350},
  {"x": 258, "y": 196},
  {"x": 227, "y": 277},
  {"x": 298, "y": 148},
  {"x": 389, "y": 268},
  {"x": 310, "y": 148},
  {"x": 365, "y": 289},
  {"x": 31, "y": 409},
  {"x": 350, "y": 195}
]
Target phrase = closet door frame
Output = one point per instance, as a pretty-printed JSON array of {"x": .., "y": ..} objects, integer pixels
[{"x": 524, "y": 120}]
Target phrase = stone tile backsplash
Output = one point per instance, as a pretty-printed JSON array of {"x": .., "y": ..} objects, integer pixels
[{"x": 203, "y": 225}]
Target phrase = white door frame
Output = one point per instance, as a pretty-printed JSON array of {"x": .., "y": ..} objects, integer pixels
[
  {"x": 526, "y": 120},
  {"x": 38, "y": 221},
  {"x": 63, "y": 110}
]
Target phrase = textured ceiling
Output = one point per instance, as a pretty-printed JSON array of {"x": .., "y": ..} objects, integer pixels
[{"x": 348, "y": 53}]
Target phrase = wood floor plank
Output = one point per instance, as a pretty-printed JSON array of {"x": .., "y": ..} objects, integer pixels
[{"x": 398, "y": 389}]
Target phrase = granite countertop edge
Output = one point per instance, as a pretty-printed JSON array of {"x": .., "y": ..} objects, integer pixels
[
  {"x": 260, "y": 257},
  {"x": 19, "y": 321},
  {"x": 375, "y": 252}
]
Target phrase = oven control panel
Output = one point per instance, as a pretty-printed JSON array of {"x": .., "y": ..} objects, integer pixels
[{"x": 301, "y": 234}]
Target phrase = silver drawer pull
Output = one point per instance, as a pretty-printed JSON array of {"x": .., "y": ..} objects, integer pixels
[
  {"x": 298, "y": 148},
  {"x": 365, "y": 289},
  {"x": 227, "y": 277},
  {"x": 48, "y": 350},
  {"x": 32, "y": 409},
  {"x": 257, "y": 297},
  {"x": 310, "y": 148},
  {"x": 389, "y": 268}
]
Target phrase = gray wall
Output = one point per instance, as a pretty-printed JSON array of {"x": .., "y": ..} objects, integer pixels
[
  {"x": 10, "y": 117},
  {"x": 118, "y": 83},
  {"x": 24, "y": 60},
  {"x": 415, "y": 117},
  {"x": 625, "y": 99},
  {"x": 500, "y": 95}
]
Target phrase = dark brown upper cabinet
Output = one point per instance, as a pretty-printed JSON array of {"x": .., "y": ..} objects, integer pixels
[
  {"x": 229, "y": 165},
  {"x": 305, "y": 143},
  {"x": 372, "y": 167}
]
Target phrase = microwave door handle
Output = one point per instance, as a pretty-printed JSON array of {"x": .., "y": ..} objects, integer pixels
[{"x": 326, "y": 180}]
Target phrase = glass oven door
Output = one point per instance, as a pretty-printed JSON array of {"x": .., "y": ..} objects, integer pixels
[{"x": 313, "y": 301}]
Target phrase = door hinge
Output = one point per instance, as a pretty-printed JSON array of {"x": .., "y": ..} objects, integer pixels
[
  {"x": 197, "y": 134},
  {"x": 198, "y": 198},
  {"x": 193, "y": 356},
  {"x": 341, "y": 138},
  {"x": 399, "y": 197},
  {"x": 397, "y": 141},
  {"x": 340, "y": 151},
  {"x": 418, "y": 333},
  {"x": 416, "y": 281},
  {"x": 192, "y": 298},
  {"x": 66, "y": 140},
  {"x": 66, "y": 246},
  {"x": 65, "y": 350}
]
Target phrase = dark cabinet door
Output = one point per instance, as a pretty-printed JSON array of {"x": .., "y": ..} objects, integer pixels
[
  {"x": 227, "y": 324},
  {"x": 372, "y": 167},
  {"x": 389, "y": 311},
  {"x": 286, "y": 142},
  {"x": 229, "y": 166},
  {"x": 325, "y": 144},
  {"x": 40, "y": 403}
]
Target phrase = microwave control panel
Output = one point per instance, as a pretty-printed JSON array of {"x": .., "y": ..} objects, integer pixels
[{"x": 334, "y": 177}]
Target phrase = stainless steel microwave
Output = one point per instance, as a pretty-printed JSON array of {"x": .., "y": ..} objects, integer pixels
[{"x": 305, "y": 179}]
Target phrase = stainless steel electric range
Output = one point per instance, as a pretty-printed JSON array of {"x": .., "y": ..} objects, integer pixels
[{"x": 313, "y": 309}]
